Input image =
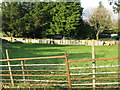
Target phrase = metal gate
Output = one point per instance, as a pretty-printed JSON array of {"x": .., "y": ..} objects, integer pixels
[{"x": 56, "y": 71}]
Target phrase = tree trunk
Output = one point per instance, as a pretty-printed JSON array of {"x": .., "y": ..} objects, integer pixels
[{"x": 97, "y": 36}]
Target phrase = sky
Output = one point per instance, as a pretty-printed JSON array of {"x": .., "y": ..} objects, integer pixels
[{"x": 89, "y": 5}]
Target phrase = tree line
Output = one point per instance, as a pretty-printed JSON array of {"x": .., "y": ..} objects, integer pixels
[{"x": 42, "y": 19}]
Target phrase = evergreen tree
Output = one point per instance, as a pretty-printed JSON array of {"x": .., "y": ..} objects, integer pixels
[
  {"x": 41, "y": 18},
  {"x": 38, "y": 19},
  {"x": 11, "y": 14},
  {"x": 65, "y": 18}
]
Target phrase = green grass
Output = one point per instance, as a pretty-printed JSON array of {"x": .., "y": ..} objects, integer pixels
[
  {"x": 75, "y": 52},
  {"x": 27, "y": 50}
]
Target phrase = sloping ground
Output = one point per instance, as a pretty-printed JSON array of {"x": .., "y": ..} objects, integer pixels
[{"x": 18, "y": 50}]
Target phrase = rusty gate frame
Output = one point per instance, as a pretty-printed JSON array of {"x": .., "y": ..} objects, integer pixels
[{"x": 67, "y": 70}]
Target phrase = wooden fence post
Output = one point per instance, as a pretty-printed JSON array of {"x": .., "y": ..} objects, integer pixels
[
  {"x": 68, "y": 71},
  {"x": 93, "y": 63},
  {"x": 26, "y": 68},
  {"x": 11, "y": 77},
  {"x": 22, "y": 63}
]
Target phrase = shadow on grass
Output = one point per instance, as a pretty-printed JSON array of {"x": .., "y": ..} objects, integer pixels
[
  {"x": 22, "y": 50},
  {"x": 37, "y": 45}
]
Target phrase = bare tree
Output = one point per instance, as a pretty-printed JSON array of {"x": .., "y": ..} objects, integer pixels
[{"x": 100, "y": 19}]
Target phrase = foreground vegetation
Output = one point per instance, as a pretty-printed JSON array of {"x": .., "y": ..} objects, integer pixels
[{"x": 26, "y": 50}]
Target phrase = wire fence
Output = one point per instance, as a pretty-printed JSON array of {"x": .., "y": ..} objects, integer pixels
[
  {"x": 59, "y": 71},
  {"x": 35, "y": 72},
  {"x": 105, "y": 75}
]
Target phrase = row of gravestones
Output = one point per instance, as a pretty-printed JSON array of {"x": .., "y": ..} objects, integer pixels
[
  {"x": 69, "y": 42},
  {"x": 62, "y": 42},
  {"x": 85, "y": 42}
]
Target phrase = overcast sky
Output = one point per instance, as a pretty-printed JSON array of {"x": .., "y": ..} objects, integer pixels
[{"x": 89, "y": 5}]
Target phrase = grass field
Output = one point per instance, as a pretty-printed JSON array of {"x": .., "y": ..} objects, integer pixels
[
  {"x": 75, "y": 52},
  {"x": 26, "y": 50}
]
